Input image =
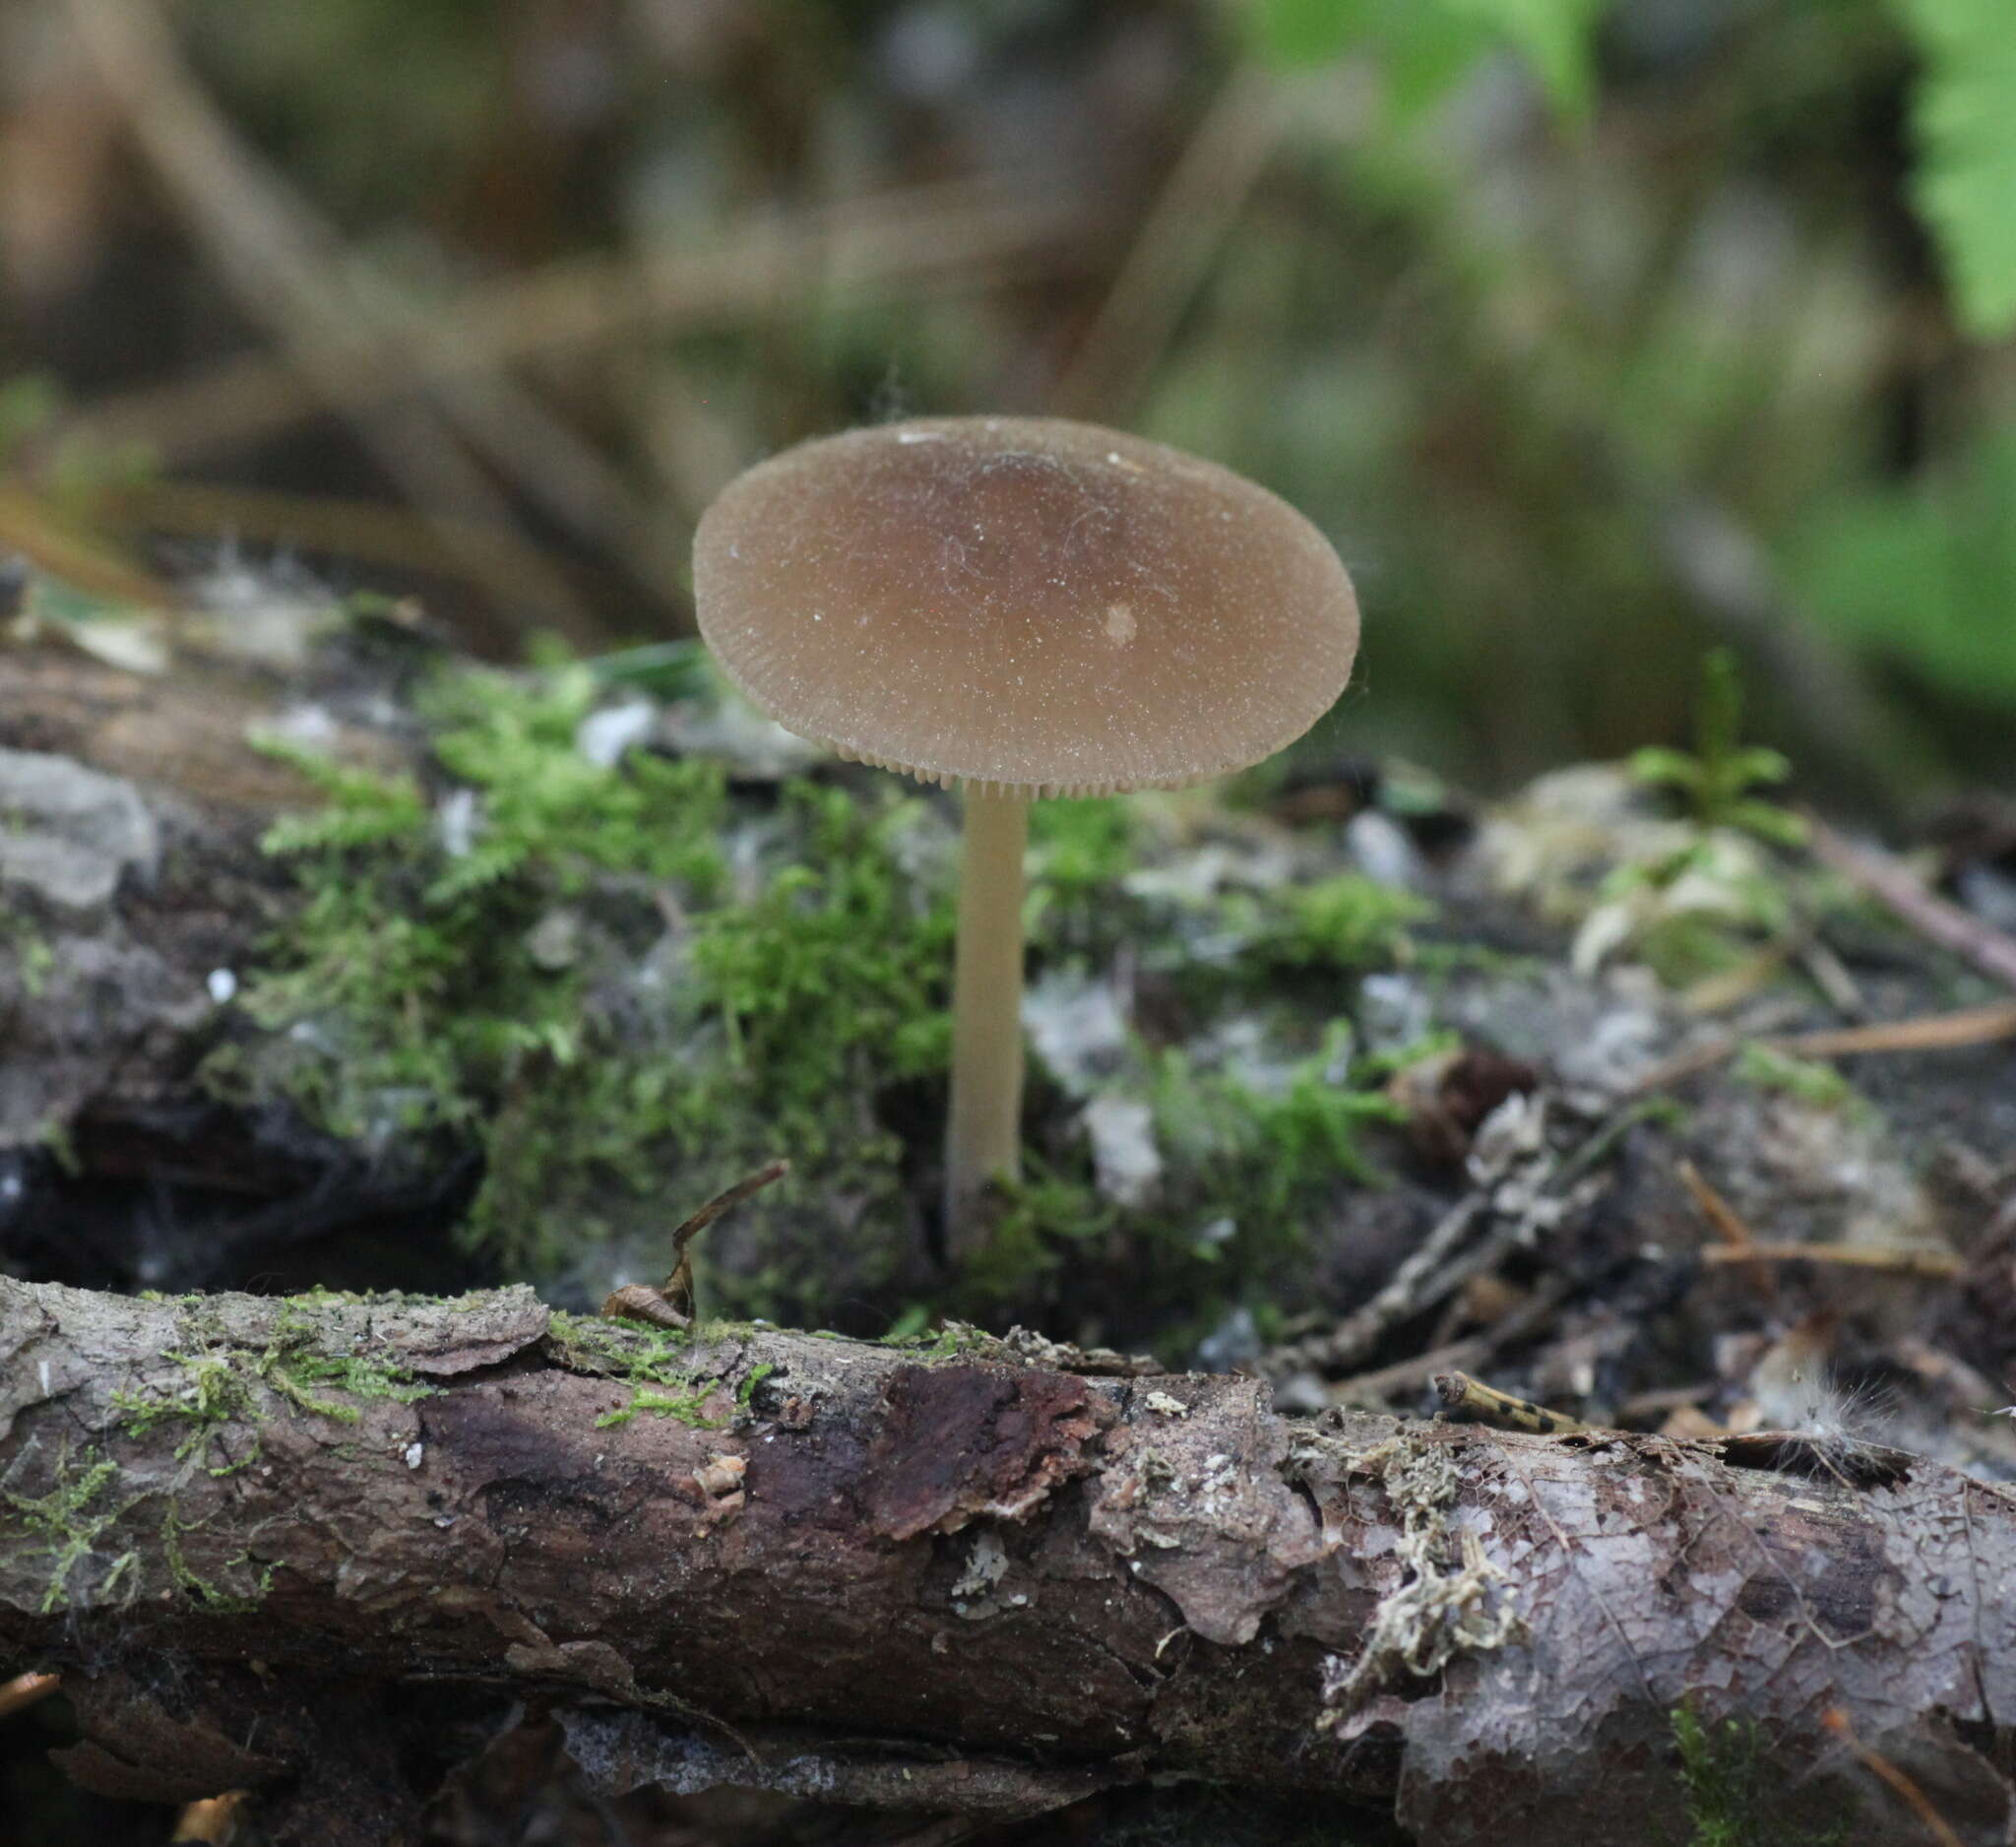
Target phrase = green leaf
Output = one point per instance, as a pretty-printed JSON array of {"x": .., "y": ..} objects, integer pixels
[
  {"x": 1925, "y": 573},
  {"x": 1308, "y": 31},
  {"x": 1964, "y": 120},
  {"x": 1423, "y": 46},
  {"x": 1666, "y": 768},
  {"x": 1555, "y": 36}
]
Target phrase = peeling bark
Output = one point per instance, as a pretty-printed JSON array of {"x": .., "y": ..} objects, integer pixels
[{"x": 962, "y": 1581}]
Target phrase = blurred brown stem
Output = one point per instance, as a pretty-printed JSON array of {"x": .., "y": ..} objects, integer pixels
[
  {"x": 1183, "y": 231},
  {"x": 285, "y": 269},
  {"x": 942, "y": 235},
  {"x": 1937, "y": 919}
]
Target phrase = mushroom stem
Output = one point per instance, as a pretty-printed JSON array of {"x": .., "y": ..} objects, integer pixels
[{"x": 983, "y": 1138}]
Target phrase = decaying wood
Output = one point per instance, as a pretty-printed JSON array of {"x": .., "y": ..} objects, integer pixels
[{"x": 948, "y": 1580}]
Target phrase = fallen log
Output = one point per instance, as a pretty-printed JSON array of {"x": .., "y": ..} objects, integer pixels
[{"x": 955, "y": 1578}]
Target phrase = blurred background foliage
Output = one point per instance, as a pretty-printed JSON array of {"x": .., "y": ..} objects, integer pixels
[{"x": 1594, "y": 331}]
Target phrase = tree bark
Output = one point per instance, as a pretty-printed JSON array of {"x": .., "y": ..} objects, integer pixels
[{"x": 962, "y": 1578}]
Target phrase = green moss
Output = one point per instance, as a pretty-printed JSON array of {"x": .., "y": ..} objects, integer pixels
[
  {"x": 1038, "y": 1220},
  {"x": 912, "y": 1336},
  {"x": 419, "y": 994},
  {"x": 1080, "y": 850},
  {"x": 294, "y": 1366},
  {"x": 69, "y": 1523},
  {"x": 1348, "y": 923},
  {"x": 657, "y": 1364},
  {"x": 218, "y": 1381},
  {"x": 213, "y": 1598},
  {"x": 215, "y": 1391},
  {"x": 1716, "y": 781},
  {"x": 35, "y": 957},
  {"x": 688, "y": 1406},
  {"x": 1735, "y": 1795},
  {"x": 692, "y": 1023},
  {"x": 1810, "y": 1081},
  {"x": 624, "y": 1350},
  {"x": 1247, "y": 1169}
]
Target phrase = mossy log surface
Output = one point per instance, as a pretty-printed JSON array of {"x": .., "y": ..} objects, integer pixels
[{"x": 949, "y": 1578}]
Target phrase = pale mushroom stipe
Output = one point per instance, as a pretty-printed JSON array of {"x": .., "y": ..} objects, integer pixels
[{"x": 1020, "y": 606}]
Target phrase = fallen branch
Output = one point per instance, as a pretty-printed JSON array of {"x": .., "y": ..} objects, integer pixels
[{"x": 942, "y": 1577}]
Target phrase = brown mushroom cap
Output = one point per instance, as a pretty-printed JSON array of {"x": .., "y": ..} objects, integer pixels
[{"x": 1025, "y": 604}]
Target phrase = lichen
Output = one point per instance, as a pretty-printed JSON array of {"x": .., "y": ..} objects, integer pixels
[{"x": 1445, "y": 1607}]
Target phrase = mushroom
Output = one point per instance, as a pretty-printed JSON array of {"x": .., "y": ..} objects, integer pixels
[{"x": 1020, "y": 607}]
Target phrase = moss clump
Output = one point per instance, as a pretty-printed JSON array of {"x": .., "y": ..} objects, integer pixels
[
  {"x": 215, "y": 1392},
  {"x": 688, "y": 1406},
  {"x": 212, "y": 1597},
  {"x": 448, "y": 976},
  {"x": 603, "y": 975},
  {"x": 69, "y": 1521},
  {"x": 624, "y": 1350},
  {"x": 1808, "y": 1080},
  {"x": 913, "y": 1335},
  {"x": 1348, "y": 924},
  {"x": 657, "y": 1364},
  {"x": 404, "y": 993},
  {"x": 34, "y": 959},
  {"x": 1718, "y": 780},
  {"x": 1080, "y": 852},
  {"x": 1247, "y": 1169},
  {"x": 303, "y": 1376},
  {"x": 219, "y": 1381},
  {"x": 1734, "y": 1798}
]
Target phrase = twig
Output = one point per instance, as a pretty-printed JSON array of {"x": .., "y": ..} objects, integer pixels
[
  {"x": 1733, "y": 1229},
  {"x": 31, "y": 525},
  {"x": 1931, "y": 1032},
  {"x": 1717, "y": 1210},
  {"x": 671, "y": 1303},
  {"x": 1667, "y": 1398},
  {"x": 1837, "y": 1721},
  {"x": 370, "y": 531},
  {"x": 1440, "y": 1266},
  {"x": 1458, "y": 1391},
  {"x": 1375, "y": 1387},
  {"x": 1900, "y": 1259},
  {"x": 1831, "y": 976},
  {"x": 719, "y": 1203},
  {"x": 1409, "y": 1292},
  {"x": 1936, "y": 1032},
  {"x": 1378, "y": 1385},
  {"x": 1937, "y": 919}
]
